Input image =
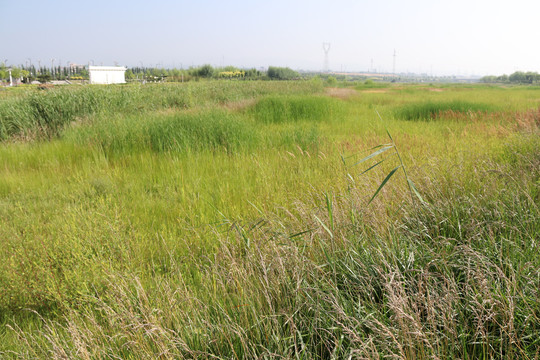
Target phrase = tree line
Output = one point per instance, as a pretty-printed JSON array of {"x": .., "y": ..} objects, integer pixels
[
  {"x": 209, "y": 72},
  {"x": 27, "y": 74},
  {"x": 519, "y": 77}
]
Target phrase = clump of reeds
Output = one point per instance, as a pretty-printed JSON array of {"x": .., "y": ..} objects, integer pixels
[
  {"x": 282, "y": 109},
  {"x": 45, "y": 113},
  {"x": 182, "y": 132},
  {"x": 433, "y": 110}
]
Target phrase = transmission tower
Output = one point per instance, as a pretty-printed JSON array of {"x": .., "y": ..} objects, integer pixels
[{"x": 326, "y": 48}]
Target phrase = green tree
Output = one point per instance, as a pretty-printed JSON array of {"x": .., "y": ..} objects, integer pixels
[
  {"x": 281, "y": 73},
  {"x": 253, "y": 74},
  {"x": 44, "y": 78},
  {"x": 205, "y": 71},
  {"x": 531, "y": 77},
  {"x": 517, "y": 77},
  {"x": 15, "y": 73},
  {"x": 129, "y": 74},
  {"x": 489, "y": 79},
  {"x": 25, "y": 74}
]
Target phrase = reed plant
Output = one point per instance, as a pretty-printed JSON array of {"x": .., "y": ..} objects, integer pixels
[
  {"x": 202, "y": 131},
  {"x": 280, "y": 109},
  {"x": 433, "y": 110},
  {"x": 45, "y": 113},
  {"x": 208, "y": 232}
]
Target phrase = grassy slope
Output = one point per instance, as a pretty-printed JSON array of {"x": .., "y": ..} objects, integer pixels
[{"x": 172, "y": 232}]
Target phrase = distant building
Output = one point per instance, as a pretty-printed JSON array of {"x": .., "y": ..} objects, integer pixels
[{"x": 107, "y": 74}]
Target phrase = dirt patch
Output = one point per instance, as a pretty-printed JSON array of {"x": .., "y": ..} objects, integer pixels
[
  {"x": 341, "y": 93},
  {"x": 436, "y": 90},
  {"x": 239, "y": 105}
]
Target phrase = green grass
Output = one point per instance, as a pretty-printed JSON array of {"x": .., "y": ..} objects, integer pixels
[
  {"x": 184, "y": 132},
  {"x": 45, "y": 113},
  {"x": 231, "y": 227},
  {"x": 434, "y": 110},
  {"x": 282, "y": 109},
  {"x": 370, "y": 84}
]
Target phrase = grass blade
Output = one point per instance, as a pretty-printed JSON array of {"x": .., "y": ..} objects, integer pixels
[
  {"x": 324, "y": 226},
  {"x": 329, "y": 207},
  {"x": 379, "y": 146},
  {"x": 380, "y": 151},
  {"x": 300, "y": 233},
  {"x": 371, "y": 167},
  {"x": 416, "y": 191},
  {"x": 383, "y": 183}
]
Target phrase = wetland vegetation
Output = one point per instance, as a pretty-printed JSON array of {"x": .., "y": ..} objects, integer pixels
[{"x": 236, "y": 220}]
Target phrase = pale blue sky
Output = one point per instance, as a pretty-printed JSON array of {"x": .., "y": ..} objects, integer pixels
[{"x": 443, "y": 37}]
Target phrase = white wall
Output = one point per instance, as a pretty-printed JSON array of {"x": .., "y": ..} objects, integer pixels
[{"x": 107, "y": 74}]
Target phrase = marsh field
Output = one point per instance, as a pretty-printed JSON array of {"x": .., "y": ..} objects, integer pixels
[{"x": 270, "y": 220}]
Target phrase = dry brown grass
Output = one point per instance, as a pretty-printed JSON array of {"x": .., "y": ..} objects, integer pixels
[
  {"x": 341, "y": 93},
  {"x": 375, "y": 91}
]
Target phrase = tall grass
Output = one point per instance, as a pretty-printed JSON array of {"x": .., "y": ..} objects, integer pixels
[
  {"x": 211, "y": 233},
  {"x": 280, "y": 109},
  {"x": 433, "y": 110},
  {"x": 456, "y": 280},
  {"x": 45, "y": 113},
  {"x": 183, "y": 132}
]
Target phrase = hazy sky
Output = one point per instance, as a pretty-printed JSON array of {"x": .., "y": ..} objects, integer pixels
[{"x": 430, "y": 36}]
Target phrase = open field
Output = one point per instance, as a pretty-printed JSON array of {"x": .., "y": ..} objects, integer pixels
[{"x": 232, "y": 220}]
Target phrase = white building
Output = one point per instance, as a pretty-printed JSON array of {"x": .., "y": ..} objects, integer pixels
[{"x": 107, "y": 74}]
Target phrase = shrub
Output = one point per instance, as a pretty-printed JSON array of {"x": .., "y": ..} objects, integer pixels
[{"x": 282, "y": 73}]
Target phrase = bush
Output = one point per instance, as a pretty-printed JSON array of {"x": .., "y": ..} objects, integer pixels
[
  {"x": 331, "y": 81},
  {"x": 205, "y": 71},
  {"x": 43, "y": 78},
  {"x": 282, "y": 73}
]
